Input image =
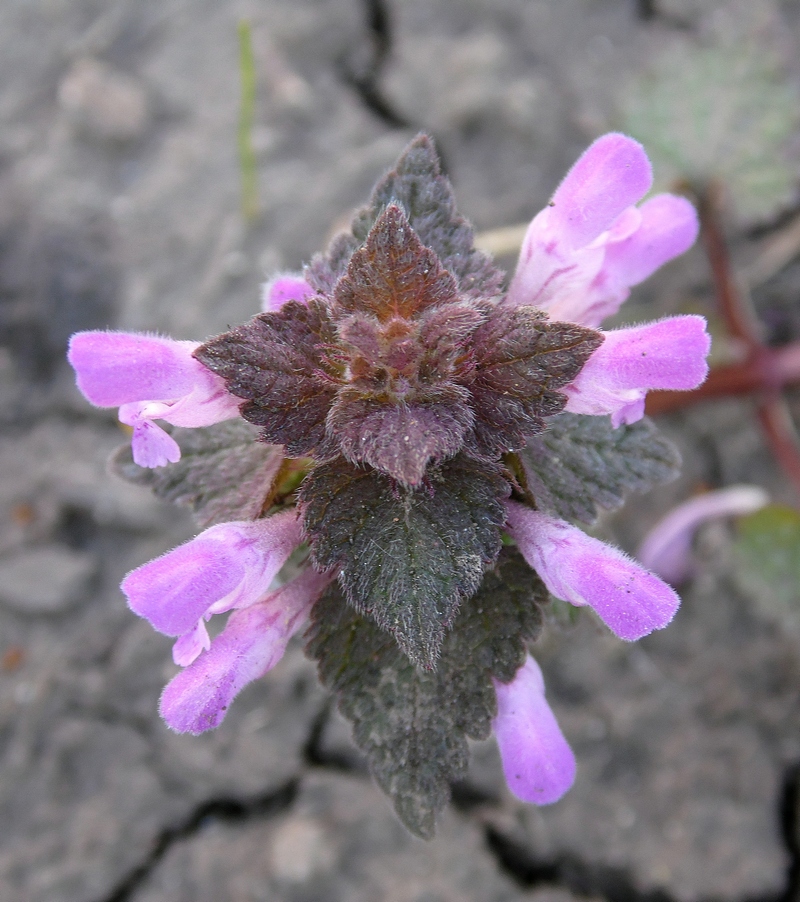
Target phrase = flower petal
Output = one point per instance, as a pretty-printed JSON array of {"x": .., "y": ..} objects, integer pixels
[
  {"x": 668, "y": 354},
  {"x": 282, "y": 288},
  {"x": 612, "y": 174},
  {"x": 252, "y": 642},
  {"x": 538, "y": 763},
  {"x": 152, "y": 447},
  {"x": 669, "y": 227},
  {"x": 582, "y": 570},
  {"x": 190, "y": 644},
  {"x": 229, "y": 565},
  {"x": 666, "y": 549},
  {"x": 115, "y": 368}
]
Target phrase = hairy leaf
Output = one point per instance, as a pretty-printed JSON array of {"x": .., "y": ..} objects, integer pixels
[
  {"x": 277, "y": 362},
  {"x": 581, "y": 463},
  {"x": 417, "y": 185},
  {"x": 407, "y": 556},
  {"x": 521, "y": 360},
  {"x": 223, "y": 474},
  {"x": 413, "y": 725},
  {"x": 400, "y": 438},
  {"x": 393, "y": 275},
  {"x": 727, "y": 113},
  {"x": 767, "y": 562}
]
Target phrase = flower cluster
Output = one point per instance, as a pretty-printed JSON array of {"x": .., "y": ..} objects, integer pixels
[{"x": 406, "y": 384}]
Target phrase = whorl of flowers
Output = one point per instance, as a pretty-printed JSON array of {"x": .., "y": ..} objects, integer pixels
[{"x": 399, "y": 392}]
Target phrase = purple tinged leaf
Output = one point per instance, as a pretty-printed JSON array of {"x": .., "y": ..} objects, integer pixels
[
  {"x": 278, "y": 363},
  {"x": 667, "y": 354},
  {"x": 522, "y": 360},
  {"x": 252, "y": 643},
  {"x": 393, "y": 275},
  {"x": 582, "y": 570},
  {"x": 538, "y": 764},
  {"x": 667, "y": 548},
  {"x": 398, "y": 437},
  {"x": 284, "y": 288},
  {"x": 611, "y": 175},
  {"x": 230, "y": 565}
]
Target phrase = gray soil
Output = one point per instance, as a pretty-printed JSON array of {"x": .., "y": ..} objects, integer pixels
[{"x": 120, "y": 206}]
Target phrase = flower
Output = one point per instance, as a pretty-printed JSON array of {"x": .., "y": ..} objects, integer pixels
[
  {"x": 253, "y": 641},
  {"x": 149, "y": 378},
  {"x": 228, "y": 566},
  {"x": 582, "y": 570},
  {"x": 579, "y": 259},
  {"x": 288, "y": 286},
  {"x": 537, "y": 762},
  {"x": 402, "y": 380},
  {"x": 584, "y": 251},
  {"x": 666, "y": 549}
]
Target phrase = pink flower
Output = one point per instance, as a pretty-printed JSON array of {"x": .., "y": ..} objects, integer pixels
[
  {"x": 284, "y": 287},
  {"x": 667, "y": 354},
  {"x": 585, "y": 250},
  {"x": 666, "y": 549},
  {"x": 149, "y": 378},
  {"x": 579, "y": 259},
  {"x": 576, "y": 568},
  {"x": 228, "y": 566},
  {"x": 253, "y": 641},
  {"x": 538, "y": 763}
]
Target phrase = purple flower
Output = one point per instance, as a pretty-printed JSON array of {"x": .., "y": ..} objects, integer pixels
[
  {"x": 666, "y": 549},
  {"x": 149, "y": 378},
  {"x": 284, "y": 287},
  {"x": 576, "y": 568},
  {"x": 253, "y": 641},
  {"x": 585, "y": 250},
  {"x": 538, "y": 763},
  {"x": 230, "y": 565},
  {"x": 667, "y": 354},
  {"x": 579, "y": 259}
]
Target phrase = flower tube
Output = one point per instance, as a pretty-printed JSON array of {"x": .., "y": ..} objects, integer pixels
[{"x": 149, "y": 378}]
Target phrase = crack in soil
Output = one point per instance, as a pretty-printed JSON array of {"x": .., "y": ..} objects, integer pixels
[
  {"x": 363, "y": 71},
  {"x": 612, "y": 884},
  {"x": 225, "y": 809}
]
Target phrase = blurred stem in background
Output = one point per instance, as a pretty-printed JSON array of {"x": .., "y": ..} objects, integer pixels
[{"x": 247, "y": 157}]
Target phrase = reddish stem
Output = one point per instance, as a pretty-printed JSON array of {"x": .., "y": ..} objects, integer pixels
[{"x": 763, "y": 372}]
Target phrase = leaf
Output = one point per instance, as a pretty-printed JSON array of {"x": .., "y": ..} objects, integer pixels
[
  {"x": 400, "y": 438},
  {"x": 413, "y": 725},
  {"x": 725, "y": 113},
  {"x": 224, "y": 473},
  {"x": 417, "y": 185},
  {"x": 581, "y": 463},
  {"x": 521, "y": 360},
  {"x": 393, "y": 275},
  {"x": 767, "y": 561},
  {"x": 278, "y": 363},
  {"x": 407, "y": 556}
]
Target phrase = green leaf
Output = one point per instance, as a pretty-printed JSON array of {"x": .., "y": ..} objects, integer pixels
[
  {"x": 224, "y": 473},
  {"x": 767, "y": 561},
  {"x": 417, "y": 185},
  {"x": 407, "y": 556},
  {"x": 725, "y": 113},
  {"x": 413, "y": 725},
  {"x": 581, "y": 463}
]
